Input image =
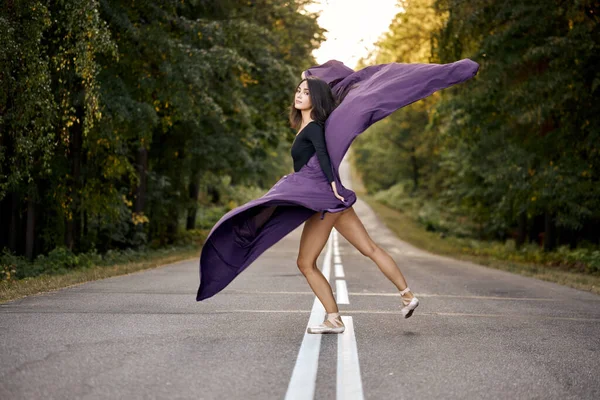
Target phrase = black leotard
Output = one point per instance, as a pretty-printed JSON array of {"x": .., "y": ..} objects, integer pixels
[{"x": 311, "y": 139}]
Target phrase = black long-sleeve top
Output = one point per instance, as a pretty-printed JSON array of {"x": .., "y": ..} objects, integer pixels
[{"x": 309, "y": 140}]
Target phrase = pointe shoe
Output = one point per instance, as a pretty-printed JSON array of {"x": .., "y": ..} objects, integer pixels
[
  {"x": 409, "y": 305},
  {"x": 330, "y": 325}
]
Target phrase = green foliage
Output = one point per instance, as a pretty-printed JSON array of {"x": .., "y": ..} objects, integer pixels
[
  {"x": 433, "y": 215},
  {"x": 578, "y": 260},
  {"x": 519, "y": 142},
  {"x": 526, "y": 130},
  {"x": 117, "y": 117},
  {"x": 61, "y": 260},
  {"x": 27, "y": 106}
]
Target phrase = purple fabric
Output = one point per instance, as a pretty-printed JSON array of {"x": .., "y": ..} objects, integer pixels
[{"x": 244, "y": 233}]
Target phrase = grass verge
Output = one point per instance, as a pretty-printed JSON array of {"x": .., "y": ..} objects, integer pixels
[
  {"x": 12, "y": 290},
  {"x": 409, "y": 230}
]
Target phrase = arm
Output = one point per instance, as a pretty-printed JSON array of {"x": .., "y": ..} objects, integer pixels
[
  {"x": 317, "y": 138},
  {"x": 382, "y": 89}
]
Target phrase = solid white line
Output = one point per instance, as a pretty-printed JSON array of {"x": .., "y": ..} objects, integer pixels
[
  {"x": 341, "y": 292},
  {"x": 422, "y": 313},
  {"x": 304, "y": 376},
  {"x": 349, "y": 384},
  {"x": 396, "y": 294},
  {"x": 339, "y": 271}
]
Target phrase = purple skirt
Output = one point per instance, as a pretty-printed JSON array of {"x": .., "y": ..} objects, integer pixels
[{"x": 244, "y": 233}]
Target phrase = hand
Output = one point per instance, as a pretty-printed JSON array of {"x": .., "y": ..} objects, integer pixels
[
  {"x": 303, "y": 75},
  {"x": 335, "y": 192}
]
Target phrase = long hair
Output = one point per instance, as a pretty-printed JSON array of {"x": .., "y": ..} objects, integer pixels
[{"x": 322, "y": 99}]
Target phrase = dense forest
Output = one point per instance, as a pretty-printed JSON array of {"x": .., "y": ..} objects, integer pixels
[
  {"x": 122, "y": 120},
  {"x": 511, "y": 154},
  {"x": 126, "y": 124}
]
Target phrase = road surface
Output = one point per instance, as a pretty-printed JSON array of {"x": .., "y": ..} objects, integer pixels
[{"x": 478, "y": 333}]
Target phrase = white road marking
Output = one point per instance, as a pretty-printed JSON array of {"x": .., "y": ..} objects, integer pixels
[
  {"x": 349, "y": 383},
  {"x": 396, "y": 294},
  {"x": 422, "y": 313},
  {"x": 339, "y": 271},
  {"x": 304, "y": 376},
  {"x": 303, "y": 381},
  {"x": 341, "y": 292}
]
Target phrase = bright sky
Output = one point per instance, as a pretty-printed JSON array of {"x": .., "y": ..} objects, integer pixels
[{"x": 353, "y": 26}]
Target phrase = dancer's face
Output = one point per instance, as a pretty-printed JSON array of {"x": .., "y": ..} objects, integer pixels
[{"x": 303, "y": 101}]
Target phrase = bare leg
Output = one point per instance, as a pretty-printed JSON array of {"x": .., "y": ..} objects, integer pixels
[
  {"x": 352, "y": 229},
  {"x": 314, "y": 237}
]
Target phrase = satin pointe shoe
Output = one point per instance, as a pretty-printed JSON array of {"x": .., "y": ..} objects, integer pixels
[
  {"x": 409, "y": 305},
  {"x": 332, "y": 324}
]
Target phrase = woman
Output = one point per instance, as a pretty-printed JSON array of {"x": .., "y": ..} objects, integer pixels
[
  {"x": 364, "y": 97},
  {"x": 313, "y": 103}
]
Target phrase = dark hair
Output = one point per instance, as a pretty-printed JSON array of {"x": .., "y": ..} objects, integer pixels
[{"x": 321, "y": 97}]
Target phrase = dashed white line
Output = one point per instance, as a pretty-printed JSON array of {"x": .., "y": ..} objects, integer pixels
[
  {"x": 349, "y": 384},
  {"x": 341, "y": 292},
  {"x": 339, "y": 271},
  {"x": 304, "y": 376}
]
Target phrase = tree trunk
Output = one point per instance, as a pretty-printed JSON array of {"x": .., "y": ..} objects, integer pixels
[
  {"x": 30, "y": 230},
  {"x": 13, "y": 232},
  {"x": 572, "y": 239},
  {"x": 549, "y": 232},
  {"x": 4, "y": 217},
  {"x": 522, "y": 229},
  {"x": 415, "y": 169},
  {"x": 192, "y": 211},
  {"x": 85, "y": 224},
  {"x": 73, "y": 231},
  {"x": 140, "y": 190},
  {"x": 214, "y": 194}
]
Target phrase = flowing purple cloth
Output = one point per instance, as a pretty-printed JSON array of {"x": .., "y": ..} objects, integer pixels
[{"x": 244, "y": 233}]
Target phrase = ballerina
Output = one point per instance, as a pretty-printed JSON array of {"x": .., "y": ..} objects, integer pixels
[
  {"x": 344, "y": 104},
  {"x": 313, "y": 104}
]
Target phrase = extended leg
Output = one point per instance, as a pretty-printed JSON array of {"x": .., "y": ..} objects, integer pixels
[{"x": 352, "y": 229}]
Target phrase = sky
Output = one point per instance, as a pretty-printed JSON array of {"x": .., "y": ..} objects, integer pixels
[{"x": 353, "y": 25}]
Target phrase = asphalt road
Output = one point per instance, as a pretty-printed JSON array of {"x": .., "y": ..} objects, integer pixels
[{"x": 478, "y": 333}]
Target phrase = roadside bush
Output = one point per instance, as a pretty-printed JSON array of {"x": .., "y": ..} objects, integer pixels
[{"x": 62, "y": 260}]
